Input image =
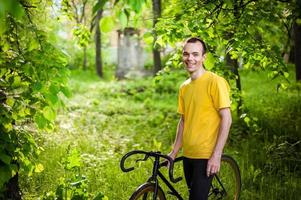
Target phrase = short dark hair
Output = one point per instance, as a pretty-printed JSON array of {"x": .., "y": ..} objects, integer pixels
[{"x": 196, "y": 39}]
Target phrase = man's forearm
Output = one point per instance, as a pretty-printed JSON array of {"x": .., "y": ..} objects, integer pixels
[
  {"x": 225, "y": 125},
  {"x": 179, "y": 137}
]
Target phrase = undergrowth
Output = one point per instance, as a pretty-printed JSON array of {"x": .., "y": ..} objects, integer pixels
[{"x": 105, "y": 119}]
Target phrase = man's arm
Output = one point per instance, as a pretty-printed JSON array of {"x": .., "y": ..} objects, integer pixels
[
  {"x": 214, "y": 162},
  {"x": 179, "y": 138}
]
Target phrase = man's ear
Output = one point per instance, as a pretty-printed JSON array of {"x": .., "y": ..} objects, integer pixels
[{"x": 204, "y": 57}]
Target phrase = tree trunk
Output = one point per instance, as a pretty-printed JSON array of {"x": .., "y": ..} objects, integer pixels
[
  {"x": 13, "y": 191},
  {"x": 297, "y": 40},
  {"x": 234, "y": 68},
  {"x": 156, "y": 52},
  {"x": 234, "y": 62},
  {"x": 98, "y": 59},
  {"x": 85, "y": 58}
]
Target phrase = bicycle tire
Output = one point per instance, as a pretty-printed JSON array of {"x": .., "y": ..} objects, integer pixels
[
  {"x": 229, "y": 176},
  {"x": 145, "y": 191}
]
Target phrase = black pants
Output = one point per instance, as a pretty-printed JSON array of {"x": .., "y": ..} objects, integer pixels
[{"x": 197, "y": 181}]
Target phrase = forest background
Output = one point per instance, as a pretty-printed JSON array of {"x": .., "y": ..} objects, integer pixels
[{"x": 68, "y": 114}]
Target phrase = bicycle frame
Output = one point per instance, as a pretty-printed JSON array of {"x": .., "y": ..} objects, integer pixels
[{"x": 154, "y": 178}]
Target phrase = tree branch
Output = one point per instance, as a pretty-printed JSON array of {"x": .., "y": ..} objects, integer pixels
[
  {"x": 25, "y": 5},
  {"x": 75, "y": 11},
  {"x": 83, "y": 10}
]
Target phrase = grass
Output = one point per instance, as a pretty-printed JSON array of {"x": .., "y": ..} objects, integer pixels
[
  {"x": 270, "y": 150},
  {"x": 105, "y": 119}
]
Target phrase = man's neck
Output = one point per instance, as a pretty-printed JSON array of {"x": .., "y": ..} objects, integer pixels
[{"x": 197, "y": 73}]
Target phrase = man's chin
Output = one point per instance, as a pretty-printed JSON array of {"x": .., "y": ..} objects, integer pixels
[{"x": 190, "y": 70}]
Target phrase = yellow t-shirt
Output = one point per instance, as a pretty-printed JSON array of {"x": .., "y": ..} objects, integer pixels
[{"x": 199, "y": 103}]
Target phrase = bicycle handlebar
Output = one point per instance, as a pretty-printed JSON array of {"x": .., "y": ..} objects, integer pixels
[{"x": 147, "y": 155}]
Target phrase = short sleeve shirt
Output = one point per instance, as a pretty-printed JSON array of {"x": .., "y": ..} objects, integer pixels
[{"x": 199, "y": 102}]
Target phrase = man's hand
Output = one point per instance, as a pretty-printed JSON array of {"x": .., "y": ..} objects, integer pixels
[
  {"x": 173, "y": 157},
  {"x": 213, "y": 164}
]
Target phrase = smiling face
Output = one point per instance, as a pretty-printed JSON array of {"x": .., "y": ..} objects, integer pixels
[{"x": 193, "y": 56}]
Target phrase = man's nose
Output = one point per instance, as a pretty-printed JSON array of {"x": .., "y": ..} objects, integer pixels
[{"x": 190, "y": 56}]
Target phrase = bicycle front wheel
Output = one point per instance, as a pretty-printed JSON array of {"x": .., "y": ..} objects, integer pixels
[
  {"x": 146, "y": 191},
  {"x": 227, "y": 183}
]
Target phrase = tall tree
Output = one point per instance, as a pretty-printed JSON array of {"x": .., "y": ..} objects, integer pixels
[
  {"x": 97, "y": 12},
  {"x": 98, "y": 57},
  {"x": 156, "y": 53}
]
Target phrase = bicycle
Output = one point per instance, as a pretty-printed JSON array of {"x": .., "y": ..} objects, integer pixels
[{"x": 225, "y": 185}]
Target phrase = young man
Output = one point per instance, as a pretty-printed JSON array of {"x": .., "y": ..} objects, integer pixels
[{"x": 205, "y": 121}]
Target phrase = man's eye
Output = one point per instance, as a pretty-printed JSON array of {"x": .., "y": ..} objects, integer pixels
[{"x": 195, "y": 54}]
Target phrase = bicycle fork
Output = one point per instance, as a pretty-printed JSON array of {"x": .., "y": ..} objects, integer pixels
[{"x": 154, "y": 176}]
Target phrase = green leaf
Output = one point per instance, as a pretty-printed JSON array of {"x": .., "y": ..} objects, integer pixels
[
  {"x": 5, "y": 158},
  {"x": 14, "y": 169},
  {"x": 29, "y": 168},
  {"x": 17, "y": 9},
  {"x": 148, "y": 38},
  {"x": 247, "y": 120},
  {"x": 209, "y": 61},
  {"x": 52, "y": 98},
  {"x": 13, "y": 7},
  {"x": 33, "y": 44},
  {"x": 66, "y": 91},
  {"x": 40, "y": 120},
  {"x": 21, "y": 112},
  {"x": 49, "y": 113},
  {"x": 160, "y": 41},
  {"x": 210, "y": 32},
  {"x": 37, "y": 86},
  {"x": 10, "y": 101},
  {"x": 136, "y": 5},
  {"x": 39, "y": 168},
  {"x": 107, "y": 24},
  {"x": 5, "y": 174},
  {"x": 99, "y": 196},
  {"x": 3, "y": 27},
  {"x": 54, "y": 89},
  {"x": 17, "y": 81},
  {"x": 99, "y": 6},
  {"x": 8, "y": 127},
  {"x": 73, "y": 160},
  {"x": 3, "y": 71}
]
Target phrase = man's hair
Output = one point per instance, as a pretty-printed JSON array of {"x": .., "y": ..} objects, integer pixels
[{"x": 195, "y": 40}]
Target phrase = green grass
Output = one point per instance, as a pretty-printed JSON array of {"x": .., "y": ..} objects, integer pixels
[
  {"x": 269, "y": 149},
  {"x": 105, "y": 119}
]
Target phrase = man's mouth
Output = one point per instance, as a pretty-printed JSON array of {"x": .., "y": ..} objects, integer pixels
[{"x": 190, "y": 64}]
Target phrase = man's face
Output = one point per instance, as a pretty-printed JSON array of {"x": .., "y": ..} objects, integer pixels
[{"x": 193, "y": 56}]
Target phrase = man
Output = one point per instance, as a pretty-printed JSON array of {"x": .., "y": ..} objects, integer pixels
[{"x": 205, "y": 121}]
